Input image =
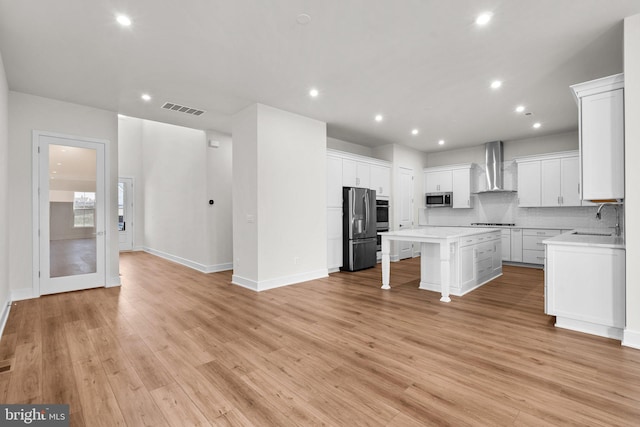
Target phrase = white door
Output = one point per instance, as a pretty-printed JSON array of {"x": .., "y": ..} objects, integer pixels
[
  {"x": 125, "y": 213},
  {"x": 70, "y": 212},
  {"x": 405, "y": 217}
]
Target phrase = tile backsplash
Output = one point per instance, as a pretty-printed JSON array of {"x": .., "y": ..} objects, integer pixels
[{"x": 503, "y": 208}]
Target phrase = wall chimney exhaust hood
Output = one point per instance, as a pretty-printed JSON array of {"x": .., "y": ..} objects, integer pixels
[{"x": 494, "y": 168}]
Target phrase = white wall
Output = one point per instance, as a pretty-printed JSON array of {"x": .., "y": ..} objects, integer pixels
[
  {"x": 349, "y": 147},
  {"x": 245, "y": 197},
  {"x": 175, "y": 175},
  {"x": 28, "y": 113},
  {"x": 4, "y": 196},
  {"x": 565, "y": 141},
  {"x": 632, "y": 175},
  {"x": 130, "y": 166},
  {"x": 279, "y": 178}
]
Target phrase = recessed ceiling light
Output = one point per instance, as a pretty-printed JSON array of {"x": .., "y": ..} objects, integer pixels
[
  {"x": 378, "y": 117},
  {"x": 519, "y": 108},
  {"x": 484, "y": 18},
  {"x": 441, "y": 142},
  {"x": 536, "y": 125},
  {"x": 146, "y": 97},
  {"x": 123, "y": 20},
  {"x": 415, "y": 132},
  {"x": 314, "y": 93},
  {"x": 59, "y": 164},
  {"x": 54, "y": 172},
  {"x": 303, "y": 19},
  {"x": 496, "y": 84}
]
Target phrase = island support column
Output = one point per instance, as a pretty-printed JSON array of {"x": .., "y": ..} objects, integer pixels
[
  {"x": 445, "y": 269},
  {"x": 386, "y": 248}
]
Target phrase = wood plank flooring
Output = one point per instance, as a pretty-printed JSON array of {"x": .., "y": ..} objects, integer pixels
[{"x": 175, "y": 347}]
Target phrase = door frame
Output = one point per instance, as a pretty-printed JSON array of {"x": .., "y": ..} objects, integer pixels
[
  {"x": 35, "y": 203},
  {"x": 409, "y": 172},
  {"x": 131, "y": 211}
]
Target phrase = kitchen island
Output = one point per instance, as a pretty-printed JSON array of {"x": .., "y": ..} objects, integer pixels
[{"x": 453, "y": 260}]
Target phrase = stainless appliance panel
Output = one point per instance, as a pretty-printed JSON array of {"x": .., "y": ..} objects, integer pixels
[
  {"x": 436, "y": 200},
  {"x": 360, "y": 214},
  {"x": 362, "y": 254},
  {"x": 382, "y": 214}
]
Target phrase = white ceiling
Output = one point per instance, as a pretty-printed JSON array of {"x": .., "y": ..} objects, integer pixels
[{"x": 422, "y": 63}]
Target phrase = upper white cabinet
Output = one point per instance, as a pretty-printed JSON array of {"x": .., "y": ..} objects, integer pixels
[
  {"x": 357, "y": 173},
  {"x": 334, "y": 182},
  {"x": 457, "y": 179},
  {"x": 380, "y": 180},
  {"x": 461, "y": 188},
  {"x": 601, "y": 128},
  {"x": 438, "y": 181},
  {"x": 349, "y": 173},
  {"x": 529, "y": 190},
  {"x": 550, "y": 180}
]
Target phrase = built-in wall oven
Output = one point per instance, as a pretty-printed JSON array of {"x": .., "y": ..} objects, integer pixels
[{"x": 382, "y": 220}]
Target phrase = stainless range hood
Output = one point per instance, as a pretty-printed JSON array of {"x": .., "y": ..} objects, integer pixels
[{"x": 494, "y": 168}]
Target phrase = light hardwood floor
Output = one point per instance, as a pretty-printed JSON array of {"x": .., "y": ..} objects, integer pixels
[{"x": 176, "y": 347}]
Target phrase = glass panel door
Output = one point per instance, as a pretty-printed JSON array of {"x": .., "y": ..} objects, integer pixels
[{"x": 72, "y": 238}]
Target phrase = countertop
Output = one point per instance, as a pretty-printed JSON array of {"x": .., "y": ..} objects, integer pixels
[
  {"x": 571, "y": 239},
  {"x": 526, "y": 227},
  {"x": 437, "y": 232}
]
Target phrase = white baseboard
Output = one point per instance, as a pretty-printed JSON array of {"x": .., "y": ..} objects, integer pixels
[
  {"x": 22, "y": 294},
  {"x": 138, "y": 249},
  {"x": 631, "y": 338},
  {"x": 4, "y": 314},
  {"x": 278, "y": 282},
  {"x": 113, "y": 282},
  {"x": 589, "y": 328},
  {"x": 191, "y": 264}
]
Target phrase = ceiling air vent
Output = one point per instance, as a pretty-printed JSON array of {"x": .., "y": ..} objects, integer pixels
[{"x": 182, "y": 109}]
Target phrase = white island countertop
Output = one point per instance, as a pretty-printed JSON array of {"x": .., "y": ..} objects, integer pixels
[
  {"x": 587, "y": 237},
  {"x": 437, "y": 232}
]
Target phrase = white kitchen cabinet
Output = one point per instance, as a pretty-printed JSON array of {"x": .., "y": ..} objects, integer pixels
[
  {"x": 601, "y": 130},
  {"x": 461, "y": 186},
  {"x": 549, "y": 180},
  {"x": 334, "y": 182},
  {"x": 348, "y": 173},
  {"x": 516, "y": 244},
  {"x": 438, "y": 181},
  {"x": 585, "y": 288},
  {"x": 355, "y": 173},
  {"x": 381, "y": 181},
  {"x": 506, "y": 244},
  {"x": 532, "y": 246},
  {"x": 334, "y": 238},
  {"x": 529, "y": 191},
  {"x": 475, "y": 262}
]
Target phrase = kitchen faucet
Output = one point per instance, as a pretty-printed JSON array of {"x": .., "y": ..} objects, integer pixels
[{"x": 599, "y": 216}]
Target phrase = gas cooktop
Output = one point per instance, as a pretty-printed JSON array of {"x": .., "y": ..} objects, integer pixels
[{"x": 496, "y": 224}]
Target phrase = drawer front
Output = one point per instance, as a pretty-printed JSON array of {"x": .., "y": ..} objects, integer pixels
[
  {"x": 478, "y": 238},
  {"x": 484, "y": 251},
  {"x": 533, "y": 257},
  {"x": 533, "y": 243},
  {"x": 484, "y": 268},
  {"x": 540, "y": 232}
]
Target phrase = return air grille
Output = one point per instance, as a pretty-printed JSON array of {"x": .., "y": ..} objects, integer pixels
[{"x": 182, "y": 109}]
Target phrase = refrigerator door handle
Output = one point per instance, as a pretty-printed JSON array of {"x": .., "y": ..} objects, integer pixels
[{"x": 367, "y": 213}]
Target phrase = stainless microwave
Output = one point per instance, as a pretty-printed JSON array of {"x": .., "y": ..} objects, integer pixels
[{"x": 439, "y": 200}]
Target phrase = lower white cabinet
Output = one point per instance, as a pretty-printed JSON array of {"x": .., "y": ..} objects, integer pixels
[
  {"x": 334, "y": 238},
  {"x": 516, "y": 244},
  {"x": 532, "y": 246},
  {"x": 585, "y": 288},
  {"x": 477, "y": 260},
  {"x": 506, "y": 244}
]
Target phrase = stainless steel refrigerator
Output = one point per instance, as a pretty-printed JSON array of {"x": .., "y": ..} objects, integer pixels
[{"x": 358, "y": 228}]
